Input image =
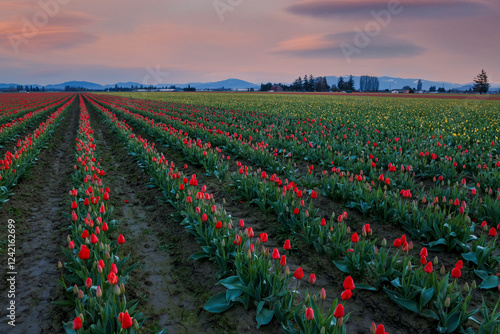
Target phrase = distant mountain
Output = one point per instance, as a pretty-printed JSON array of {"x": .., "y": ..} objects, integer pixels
[
  {"x": 83, "y": 84},
  {"x": 398, "y": 83},
  {"x": 128, "y": 84},
  {"x": 385, "y": 83},
  {"x": 228, "y": 83},
  {"x": 7, "y": 86}
]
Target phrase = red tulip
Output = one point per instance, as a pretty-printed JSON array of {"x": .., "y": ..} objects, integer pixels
[
  {"x": 296, "y": 211},
  {"x": 218, "y": 225},
  {"x": 428, "y": 268},
  {"x": 88, "y": 283},
  {"x": 250, "y": 232},
  {"x": 263, "y": 237},
  {"x": 397, "y": 243},
  {"x": 85, "y": 234},
  {"x": 113, "y": 269},
  {"x": 287, "y": 245},
  {"x": 312, "y": 278},
  {"x": 346, "y": 295},
  {"x": 459, "y": 264},
  {"x": 77, "y": 323},
  {"x": 112, "y": 278},
  {"x": 94, "y": 239},
  {"x": 101, "y": 264},
  {"x": 456, "y": 273},
  {"x": 349, "y": 283},
  {"x": 84, "y": 253},
  {"x": 121, "y": 239},
  {"x": 126, "y": 321},
  {"x": 423, "y": 260},
  {"x": 298, "y": 274},
  {"x": 314, "y": 194},
  {"x": 323, "y": 222},
  {"x": 74, "y": 205},
  {"x": 339, "y": 311},
  {"x": 355, "y": 237},
  {"x": 204, "y": 217},
  {"x": 493, "y": 232},
  {"x": 237, "y": 240},
  {"x": 71, "y": 244},
  {"x": 380, "y": 329},
  {"x": 104, "y": 227},
  {"x": 283, "y": 261},
  {"x": 309, "y": 314},
  {"x": 276, "y": 254}
]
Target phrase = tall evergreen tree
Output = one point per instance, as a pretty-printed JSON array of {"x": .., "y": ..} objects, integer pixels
[
  {"x": 481, "y": 84},
  {"x": 419, "y": 84},
  {"x": 324, "y": 85},
  {"x": 350, "y": 83},
  {"x": 341, "y": 83}
]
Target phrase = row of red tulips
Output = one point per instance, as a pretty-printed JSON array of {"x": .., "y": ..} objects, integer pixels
[
  {"x": 14, "y": 105},
  {"x": 94, "y": 276},
  {"x": 15, "y": 165},
  {"x": 9, "y": 129}
]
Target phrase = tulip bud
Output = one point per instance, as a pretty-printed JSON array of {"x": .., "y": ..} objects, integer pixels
[
  {"x": 442, "y": 271},
  {"x": 323, "y": 331},
  {"x": 340, "y": 322},
  {"x": 307, "y": 301},
  {"x": 98, "y": 292},
  {"x": 75, "y": 289},
  {"x": 107, "y": 255},
  {"x": 375, "y": 250},
  {"x": 59, "y": 265},
  {"x": 373, "y": 328},
  {"x": 136, "y": 325},
  {"x": 474, "y": 284},
  {"x": 287, "y": 271},
  {"x": 80, "y": 294},
  {"x": 447, "y": 302},
  {"x": 322, "y": 294},
  {"x": 116, "y": 290},
  {"x": 384, "y": 242},
  {"x": 435, "y": 261},
  {"x": 81, "y": 317},
  {"x": 466, "y": 287},
  {"x": 122, "y": 288}
]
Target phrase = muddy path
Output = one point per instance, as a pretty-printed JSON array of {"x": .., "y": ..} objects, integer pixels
[
  {"x": 37, "y": 207},
  {"x": 170, "y": 287}
]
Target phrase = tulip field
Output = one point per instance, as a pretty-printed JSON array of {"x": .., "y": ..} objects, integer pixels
[{"x": 249, "y": 213}]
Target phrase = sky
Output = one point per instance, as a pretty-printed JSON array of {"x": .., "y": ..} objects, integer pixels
[{"x": 180, "y": 41}]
